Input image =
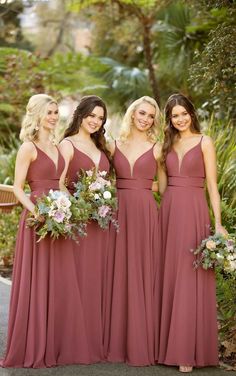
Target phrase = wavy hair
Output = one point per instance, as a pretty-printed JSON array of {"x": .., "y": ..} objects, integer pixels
[
  {"x": 126, "y": 124},
  {"x": 36, "y": 111},
  {"x": 83, "y": 110},
  {"x": 170, "y": 132}
]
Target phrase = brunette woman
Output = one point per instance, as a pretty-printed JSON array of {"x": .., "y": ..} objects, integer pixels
[
  {"x": 84, "y": 149},
  {"x": 188, "y": 327}
]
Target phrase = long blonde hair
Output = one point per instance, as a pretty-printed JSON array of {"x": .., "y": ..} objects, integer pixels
[
  {"x": 126, "y": 124},
  {"x": 36, "y": 111}
]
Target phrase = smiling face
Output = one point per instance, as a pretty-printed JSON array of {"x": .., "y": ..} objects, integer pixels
[
  {"x": 180, "y": 118},
  {"x": 93, "y": 122},
  {"x": 143, "y": 116},
  {"x": 49, "y": 122}
]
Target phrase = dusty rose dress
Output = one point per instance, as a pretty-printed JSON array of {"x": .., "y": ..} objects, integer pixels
[
  {"x": 91, "y": 263},
  {"x": 129, "y": 325},
  {"x": 46, "y": 322},
  {"x": 188, "y": 327}
]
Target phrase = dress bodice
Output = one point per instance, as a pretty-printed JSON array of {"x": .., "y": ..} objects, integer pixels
[
  {"x": 190, "y": 171},
  {"x": 140, "y": 176},
  {"x": 43, "y": 174},
  {"x": 81, "y": 161}
]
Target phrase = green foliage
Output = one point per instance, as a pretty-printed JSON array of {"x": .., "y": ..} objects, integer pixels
[
  {"x": 226, "y": 299},
  {"x": 7, "y": 160},
  {"x": 58, "y": 76},
  {"x": 224, "y": 134},
  {"x": 212, "y": 74},
  {"x": 124, "y": 83},
  {"x": 11, "y": 33},
  {"x": 8, "y": 229}
]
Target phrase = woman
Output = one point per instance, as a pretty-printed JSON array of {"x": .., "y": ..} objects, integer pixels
[
  {"x": 84, "y": 148},
  {"x": 46, "y": 327},
  {"x": 129, "y": 325},
  {"x": 188, "y": 328}
]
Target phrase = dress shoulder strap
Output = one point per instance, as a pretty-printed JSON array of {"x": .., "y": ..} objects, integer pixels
[{"x": 67, "y": 139}]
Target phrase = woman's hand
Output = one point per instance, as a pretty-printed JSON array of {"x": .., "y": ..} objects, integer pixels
[
  {"x": 40, "y": 218},
  {"x": 155, "y": 186},
  {"x": 219, "y": 229}
]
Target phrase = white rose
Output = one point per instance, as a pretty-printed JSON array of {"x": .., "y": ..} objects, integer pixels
[
  {"x": 102, "y": 173},
  {"x": 107, "y": 195}
]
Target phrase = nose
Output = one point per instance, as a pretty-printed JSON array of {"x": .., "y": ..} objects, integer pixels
[{"x": 181, "y": 118}]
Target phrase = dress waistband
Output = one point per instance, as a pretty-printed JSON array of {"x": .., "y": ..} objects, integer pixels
[
  {"x": 44, "y": 184},
  {"x": 133, "y": 183},
  {"x": 185, "y": 181}
]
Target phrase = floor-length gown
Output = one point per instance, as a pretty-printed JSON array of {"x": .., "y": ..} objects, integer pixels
[
  {"x": 129, "y": 325},
  {"x": 188, "y": 326},
  {"x": 46, "y": 322},
  {"x": 91, "y": 261}
]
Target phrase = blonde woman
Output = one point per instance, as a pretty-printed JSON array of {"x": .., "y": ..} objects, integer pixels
[
  {"x": 129, "y": 324},
  {"x": 45, "y": 321}
]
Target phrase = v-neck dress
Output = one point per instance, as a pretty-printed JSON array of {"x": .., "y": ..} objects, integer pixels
[
  {"x": 129, "y": 324},
  {"x": 46, "y": 324},
  {"x": 91, "y": 261},
  {"x": 187, "y": 331}
]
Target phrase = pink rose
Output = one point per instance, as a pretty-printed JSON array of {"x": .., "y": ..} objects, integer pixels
[{"x": 103, "y": 211}]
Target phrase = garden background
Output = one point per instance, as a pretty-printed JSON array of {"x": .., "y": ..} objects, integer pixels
[{"x": 121, "y": 50}]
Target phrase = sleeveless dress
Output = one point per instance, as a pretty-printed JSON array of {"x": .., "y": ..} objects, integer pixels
[
  {"x": 129, "y": 326},
  {"x": 46, "y": 324},
  {"x": 188, "y": 326},
  {"x": 91, "y": 262}
]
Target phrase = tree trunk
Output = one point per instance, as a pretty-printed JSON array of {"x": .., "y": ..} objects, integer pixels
[{"x": 149, "y": 62}]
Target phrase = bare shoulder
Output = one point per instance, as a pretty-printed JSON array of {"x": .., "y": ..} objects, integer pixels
[
  {"x": 157, "y": 150},
  {"x": 207, "y": 143},
  {"x": 66, "y": 144},
  {"x": 111, "y": 146},
  {"x": 27, "y": 150}
]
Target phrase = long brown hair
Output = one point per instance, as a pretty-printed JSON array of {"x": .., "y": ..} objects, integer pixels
[
  {"x": 170, "y": 132},
  {"x": 84, "y": 109}
]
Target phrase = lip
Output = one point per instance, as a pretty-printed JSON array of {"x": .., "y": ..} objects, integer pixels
[
  {"x": 143, "y": 124},
  {"x": 93, "y": 126}
]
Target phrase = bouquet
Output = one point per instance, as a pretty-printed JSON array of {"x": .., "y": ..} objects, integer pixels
[
  {"x": 59, "y": 214},
  {"x": 217, "y": 251},
  {"x": 96, "y": 188}
]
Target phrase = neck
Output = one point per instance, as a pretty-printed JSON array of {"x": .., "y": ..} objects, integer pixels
[
  {"x": 185, "y": 134},
  {"x": 83, "y": 136},
  {"x": 138, "y": 136},
  {"x": 44, "y": 137}
]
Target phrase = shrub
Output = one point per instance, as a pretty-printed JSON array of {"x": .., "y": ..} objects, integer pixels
[{"x": 8, "y": 229}]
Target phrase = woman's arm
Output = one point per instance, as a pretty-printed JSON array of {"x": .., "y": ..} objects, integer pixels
[
  {"x": 111, "y": 147},
  {"x": 209, "y": 155},
  {"x": 67, "y": 152},
  {"x": 161, "y": 184},
  {"x": 26, "y": 154},
  {"x": 162, "y": 178}
]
